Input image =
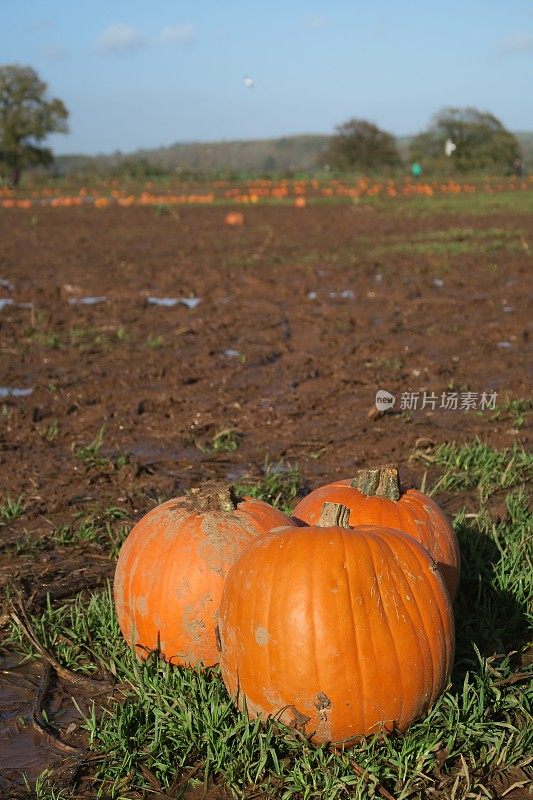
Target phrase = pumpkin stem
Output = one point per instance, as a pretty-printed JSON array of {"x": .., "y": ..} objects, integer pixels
[
  {"x": 212, "y": 496},
  {"x": 334, "y": 515},
  {"x": 366, "y": 480},
  {"x": 381, "y": 482}
]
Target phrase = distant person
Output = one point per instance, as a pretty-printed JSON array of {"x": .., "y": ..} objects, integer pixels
[
  {"x": 519, "y": 168},
  {"x": 14, "y": 178},
  {"x": 416, "y": 170}
]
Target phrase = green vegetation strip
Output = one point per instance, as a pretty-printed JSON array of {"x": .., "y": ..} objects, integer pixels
[
  {"x": 165, "y": 723},
  {"x": 479, "y": 466}
]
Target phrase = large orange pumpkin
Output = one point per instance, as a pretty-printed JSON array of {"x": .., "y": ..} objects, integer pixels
[
  {"x": 172, "y": 567},
  {"x": 375, "y": 497},
  {"x": 341, "y": 633}
]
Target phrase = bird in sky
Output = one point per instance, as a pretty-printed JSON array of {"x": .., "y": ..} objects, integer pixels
[{"x": 249, "y": 82}]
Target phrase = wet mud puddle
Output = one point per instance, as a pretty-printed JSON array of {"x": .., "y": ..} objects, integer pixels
[{"x": 26, "y": 748}]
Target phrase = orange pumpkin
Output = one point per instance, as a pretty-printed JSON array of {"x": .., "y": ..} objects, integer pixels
[
  {"x": 375, "y": 497},
  {"x": 172, "y": 567},
  {"x": 234, "y": 218},
  {"x": 341, "y": 633}
]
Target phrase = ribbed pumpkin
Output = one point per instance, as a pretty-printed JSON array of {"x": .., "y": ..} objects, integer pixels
[
  {"x": 375, "y": 497},
  {"x": 340, "y": 632},
  {"x": 172, "y": 567}
]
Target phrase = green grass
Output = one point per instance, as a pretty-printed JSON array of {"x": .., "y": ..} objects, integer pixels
[
  {"x": 82, "y": 339},
  {"x": 225, "y": 440},
  {"x": 51, "y": 431},
  {"x": 478, "y": 466},
  {"x": 519, "y": 408},
  {"x": 456, "y": 248},
  {"x": 89, "y": 454},
  {"x": 106, "y": 528},
  {"x": 154, "y": 342},
  {"x": 456, "y": 241},
  {"x": 278, "y": 485},
  {"x": 165, "y": 722},
  {"x": 42, "y": 790},
  {"x": 477, "y": 203},
  {"x": 12, "y": 509}
]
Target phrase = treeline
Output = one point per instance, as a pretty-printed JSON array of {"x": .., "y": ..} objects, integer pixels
[
  {"x": 287, "y": 155},
  {"x": 480, "y": 144}
]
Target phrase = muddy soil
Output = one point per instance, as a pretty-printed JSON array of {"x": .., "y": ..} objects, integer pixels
[{"x": 302, "y": 316}]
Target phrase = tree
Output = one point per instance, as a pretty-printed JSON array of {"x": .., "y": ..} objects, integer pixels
[
  {"x": 27, "y": 116},
  {"x": 361, "y": 144},
  {"x": 481, "y": 141}
]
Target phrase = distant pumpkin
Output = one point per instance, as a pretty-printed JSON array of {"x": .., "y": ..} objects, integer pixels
[
  {"x": 375, "y": 497},
  {"x": 172, "y": 567},
  {"x": 234, "y": 218}
]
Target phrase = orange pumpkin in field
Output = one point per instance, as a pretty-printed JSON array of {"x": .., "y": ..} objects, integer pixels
[
  {"x": 172, "y": 567},
  {"x": 375, "y": 497},
  {"x": 340, "y": 632},
  {"x": 234, "y": 218}
]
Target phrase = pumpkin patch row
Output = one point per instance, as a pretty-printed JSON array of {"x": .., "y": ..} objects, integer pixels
[{"x": 337, "y": 620}]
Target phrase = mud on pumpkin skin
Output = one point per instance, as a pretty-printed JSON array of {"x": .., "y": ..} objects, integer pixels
[{"x": 172, "y": 567}]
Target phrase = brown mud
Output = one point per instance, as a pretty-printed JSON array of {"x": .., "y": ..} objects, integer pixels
[{"x": 303, "y": 316}]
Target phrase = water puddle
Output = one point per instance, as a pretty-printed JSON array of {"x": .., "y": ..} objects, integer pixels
[
  {"x": 346, "y": 294},
  {"x": 504, "y": 345},
  {"x": 153, "y": 451},
  {"x": 231, "y": 353},
  {"x": 12, "y": 391},
  {"x": 236, "y": 474},
  {"x": 87, "y": 301},
  {"x": 24, "y": 749},
  {"x": 170, "y": 302},
  {"x": 7, "y": 301}
]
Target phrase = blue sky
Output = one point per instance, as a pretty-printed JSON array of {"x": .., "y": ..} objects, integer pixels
[{"x": 145, "y": 73}]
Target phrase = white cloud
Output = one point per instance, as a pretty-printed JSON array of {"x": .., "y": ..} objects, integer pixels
[
  {"x": 519, "y": 43},
  {"x": 183, "y": 34},
  {"x": 119, "y": 38}
]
